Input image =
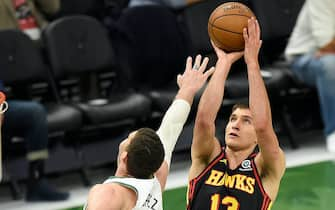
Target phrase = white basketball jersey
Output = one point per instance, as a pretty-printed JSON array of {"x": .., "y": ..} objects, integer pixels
[{"x": 148, "y": 191}]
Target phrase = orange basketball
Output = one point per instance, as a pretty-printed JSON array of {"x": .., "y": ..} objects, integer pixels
[
  {"x": 2, "y": 97},
  {"x": 226, "y": 23}
]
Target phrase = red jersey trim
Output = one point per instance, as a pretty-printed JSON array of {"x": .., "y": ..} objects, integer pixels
[
  {"x": 266, "y": 200},
  {"x": 192, "y": 183}
]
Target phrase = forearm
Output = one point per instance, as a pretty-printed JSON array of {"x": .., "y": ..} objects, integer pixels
[
  {"x": 48, "y": 6},
  {"x": 273, "y": 159},
  {"x": 258, "y": 97},
  {"x": 172, "y": 125},
  {"x": 261, "y": 113},
  {"x": 211, "y": 99},
  {"x": 186, "y": 94}
]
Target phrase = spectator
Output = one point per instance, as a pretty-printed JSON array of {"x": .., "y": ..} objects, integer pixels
[
  {"x": 27, "y": 119},
  {"x": 311, "y": 51},
  {"x": 26, "y": 15}
]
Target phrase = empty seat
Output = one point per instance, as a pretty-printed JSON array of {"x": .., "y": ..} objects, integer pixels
[
  {"x": 26, "y": 77},
  {"x": 152, "y": 51},
  {"x": 79, "y": 49},
  {"x": 22, "y": 66}
]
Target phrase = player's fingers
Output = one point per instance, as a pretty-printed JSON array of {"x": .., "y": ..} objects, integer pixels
[
  {"x": 245, "y": 34},
  {"x": 188, "y": 63},
  {"x": 251, "y": 27},
  {"x": 204, "y": 64},
  {"x": 179, "y": 79},
  {"x": 209, "y": 72},
  {"x": 197, "y": 62},
  {"x": 258, "y": 30}
]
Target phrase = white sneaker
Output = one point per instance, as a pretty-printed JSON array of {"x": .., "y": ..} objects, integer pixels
[{"x": 330, "y": 142}]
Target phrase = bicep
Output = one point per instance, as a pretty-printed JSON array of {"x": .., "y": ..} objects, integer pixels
[
  {"x": 205, "y": 147},
  {"x": 271, "y": 158},
  {"x": 204, "y": 140}
]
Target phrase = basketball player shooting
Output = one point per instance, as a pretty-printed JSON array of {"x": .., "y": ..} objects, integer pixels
[{"x": 236, "y": 176}]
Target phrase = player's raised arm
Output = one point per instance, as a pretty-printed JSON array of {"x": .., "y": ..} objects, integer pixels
[
  {"x": 270, "y": 160},
  {"x": 193, "y": 78},
  {"x": 205, "y": 146}
]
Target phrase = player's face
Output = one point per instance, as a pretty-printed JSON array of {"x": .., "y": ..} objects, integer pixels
[
  {"x": 124, "y": 144},
  {"x": 240, "y": 130}
]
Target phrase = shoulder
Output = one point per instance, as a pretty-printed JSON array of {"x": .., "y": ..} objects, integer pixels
[
  {"x": 107, "y": 196},
  {"x": 277, "y": 166}
]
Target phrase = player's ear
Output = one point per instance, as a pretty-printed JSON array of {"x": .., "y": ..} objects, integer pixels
[{"x": 124, "y": 157}]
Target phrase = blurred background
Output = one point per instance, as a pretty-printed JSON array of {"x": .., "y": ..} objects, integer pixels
[{"x": 102, "y": 68}]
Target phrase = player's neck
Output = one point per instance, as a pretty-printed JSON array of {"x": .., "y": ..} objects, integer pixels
[
  {"x": 235, "y": 157},
  {"x": 121, "y": 172}
]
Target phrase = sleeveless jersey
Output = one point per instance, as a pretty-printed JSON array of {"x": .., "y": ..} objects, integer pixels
[
  {"x": 148, "y": 191},
  {"x": 220, "y": 188}
]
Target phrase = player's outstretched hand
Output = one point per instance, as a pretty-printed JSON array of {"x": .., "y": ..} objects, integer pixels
[{"x": 194, "y": 76}]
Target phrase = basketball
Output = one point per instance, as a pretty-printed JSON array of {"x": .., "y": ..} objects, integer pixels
[{"x": 226, "y": 23}]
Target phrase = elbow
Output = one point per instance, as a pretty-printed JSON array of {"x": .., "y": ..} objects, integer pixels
[
  {"x": 203, "y": 120},
  {"x": 263, "y": 124},
  {"x": 261, "y": 128}
]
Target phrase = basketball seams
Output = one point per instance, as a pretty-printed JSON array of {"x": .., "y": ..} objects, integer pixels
[
  {"x": 224, "y": 45},
  {"x": 237, "y": 6},
  {"x": 213, "y": 26},
  {"x": 212, "y": 23},
  {"x": 231, "y": 15},
  {"x": 219, "y": 42}
]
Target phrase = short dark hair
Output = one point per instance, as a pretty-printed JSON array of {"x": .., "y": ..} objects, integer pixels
[
  {"x": 240, "y": 106},
  {"x": 145, "y": 154}
]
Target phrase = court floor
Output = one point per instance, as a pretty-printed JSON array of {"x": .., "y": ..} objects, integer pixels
[
  {"x": 308, "y": 183},
  {"x": 307, "y": 187}
]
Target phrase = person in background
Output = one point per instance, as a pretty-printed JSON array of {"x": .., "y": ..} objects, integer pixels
[
  {"x": 311, "y": 52},
  {"x": 27, "y": 119},
  {"x": 235, "y": 176},
  {"x": 27, "y": 15},
  {"x": 144, "y": 157}
]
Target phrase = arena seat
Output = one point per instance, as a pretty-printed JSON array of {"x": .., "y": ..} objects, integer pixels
[
  {"x": 152, "y": 51},
  {"x": 81, "y": 54},
  {"x": 26, "y": 77}
]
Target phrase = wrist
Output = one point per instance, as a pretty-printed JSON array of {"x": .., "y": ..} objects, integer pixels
[
  {"x": 186, "y": 93},
  {"x": 252, "y": 64},
  {"x": 224, "y": 63},
  {"x": 223, "y": 66}
]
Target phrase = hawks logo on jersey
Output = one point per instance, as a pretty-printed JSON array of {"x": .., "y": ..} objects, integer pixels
[
  {"x": 220, "y": 187},
  {"x": 236, "y": 181}
]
